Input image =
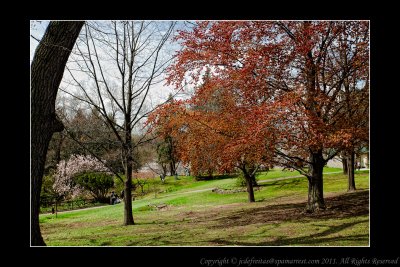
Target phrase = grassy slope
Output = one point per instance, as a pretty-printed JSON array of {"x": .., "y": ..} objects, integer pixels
[
  {"x": 207, "y": 218},
  {"x": 189, "y": 183}
]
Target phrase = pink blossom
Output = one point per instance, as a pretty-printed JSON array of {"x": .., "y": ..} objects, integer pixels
[{"x": 67, "y": 170}]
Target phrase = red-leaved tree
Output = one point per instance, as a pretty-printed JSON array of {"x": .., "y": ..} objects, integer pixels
[
  {"x": 287, "y": 83},
  {"x": 211, "y": 133}
]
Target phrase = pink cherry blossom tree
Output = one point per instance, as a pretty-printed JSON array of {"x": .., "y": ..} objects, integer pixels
[{"x": 66, "y": 171}]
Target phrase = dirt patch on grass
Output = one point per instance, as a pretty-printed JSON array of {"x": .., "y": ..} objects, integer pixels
[
  {"x": 208, "y": 214},
  {"x": 232, "y": 191},
  {"x": 159, "y": 207},
  {"x": 340, "y": 206}
]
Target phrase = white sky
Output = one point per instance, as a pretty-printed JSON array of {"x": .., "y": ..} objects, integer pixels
[
  {"x": 37, "y": 29},
  {"x": 158, "y": 93}
]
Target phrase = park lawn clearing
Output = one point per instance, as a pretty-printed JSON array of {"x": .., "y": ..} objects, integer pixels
[
  {"x": 189, "y": 183},
  {"x": 277, "y": 218}
]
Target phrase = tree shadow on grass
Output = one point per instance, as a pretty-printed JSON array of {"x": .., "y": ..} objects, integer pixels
[
  {"x": 342, "y": 206},
  {"x": 171, "y": 243},
  {"x": 314, "y": 239},
  {"x": 293, "y": 182}
]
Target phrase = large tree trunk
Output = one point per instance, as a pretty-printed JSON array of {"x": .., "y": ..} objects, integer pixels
[
  {"x": 39, "y": 144},
  {"x": 344, "y": 162},
  {"x": 47, "y": 70},
  {"x": 315, "y": 183},
  {"x": 350, "y": 174}
]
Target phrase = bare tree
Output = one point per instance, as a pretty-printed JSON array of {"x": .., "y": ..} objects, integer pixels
[
  {"x": 47, "y": 70},
  {"x": 114, "y": 67}
]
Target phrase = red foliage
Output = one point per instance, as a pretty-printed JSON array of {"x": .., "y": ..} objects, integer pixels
[{"x": 291, "y": 87}]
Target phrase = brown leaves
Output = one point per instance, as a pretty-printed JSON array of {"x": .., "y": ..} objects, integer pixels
[{"x": 270, "y": 85}]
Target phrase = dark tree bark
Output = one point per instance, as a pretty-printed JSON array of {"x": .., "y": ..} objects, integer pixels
[
  {"x": 249, "y": 184},
  {"x": 47, "y": 70},
  {"x": 164, "y": 169},
  {"x": 315, "y": 183},
  {"x": 172, "y": 168},
  {"x": 58, "y": 149},
  {"x": 250, "y": 189},
  {"x": 350, "y": 174},
  {"x": 344, "y": 162},
  {"x": 171, "y": 151},
  {"x": 253, "y": 180},
  {"x": 315, "y": 177},
  {"x": 128, "y": 215},
  {"x": 252, "y": 173}
]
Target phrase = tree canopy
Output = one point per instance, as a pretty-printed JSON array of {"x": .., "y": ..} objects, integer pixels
[{"x": 272, "y": 86}]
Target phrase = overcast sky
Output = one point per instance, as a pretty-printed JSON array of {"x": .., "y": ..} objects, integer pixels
[
  {"x": 158, "y": 93},
  {"x": 37, "y": 30}
]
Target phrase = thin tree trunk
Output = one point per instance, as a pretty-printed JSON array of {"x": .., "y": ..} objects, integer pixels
[
  {"x": 171, "y": 156},
  {"x": 252, "y": 173},
  {"x": 350, "y": 167},
  {"x": 164, "y": 169},
  {"x": 128, "y": 216},
  {"x": 172, "y": 168},
  {"x": 344, "y": 162},
  {"x": 47, "y": 70},
  {"x": 315, "y": 183},
  {"x": 254, "y": 181},
  {"x": 249, "y": 184},
  {"x": 250, "y": 189}
]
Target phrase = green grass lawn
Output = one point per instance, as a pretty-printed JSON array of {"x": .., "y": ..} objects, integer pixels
[
  {"x": 189, "y": 183},
  {"x": 209, "y": 219}
]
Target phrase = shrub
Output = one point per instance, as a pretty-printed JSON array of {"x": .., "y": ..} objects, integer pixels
[
  {"x": 47, "y": 187},
  {"x": 48, "y": 195},
  {"x": 97, "y": 183},
  {"x": 119, "y": 185}
]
